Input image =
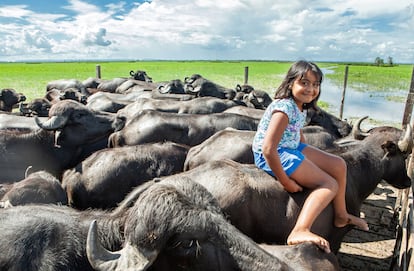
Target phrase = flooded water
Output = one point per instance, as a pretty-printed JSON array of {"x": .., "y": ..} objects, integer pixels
[{"x": 358, "y": 104}]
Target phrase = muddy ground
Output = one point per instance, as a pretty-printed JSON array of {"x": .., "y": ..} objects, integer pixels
[{"x": 373, "y": 250}]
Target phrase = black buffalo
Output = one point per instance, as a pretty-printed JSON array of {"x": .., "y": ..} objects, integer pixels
[
  {"x": 132, "y": 85},
  {"x": 246, "y": 111},
  {"x": 229, "y": 143},
  {"x": 40, "y": 106},
  {"x": 237, "y": 145},
  {"x": 141, "y": 76},
  {"x": 200, "y": 86},
  {"x": 175, "y": 86},
  {"x": 111, "y": 84},
  {"x": 189, "y": 129},
  {"x": 37, "y": 107},
  {"x": 9, "y": 99},
  {"x": 113, "y": 102},
  {"x": 260, "y": 207},
  {"x": 56, "y": 95},
  {"x": 335, "y": 126},
  {"x": 177, "y": 225},
  {"x": 18, "y": 123},
  {"x": 37, "y": 187},
  {"x": 168, "y": 225},
  {"x": 202, "y": 105},
  {"x": 252, "y": 97},
  {"x": 71, "y": 133},
  {"x": 62, "y": 84},
  {"x": 103, "y": 179}
]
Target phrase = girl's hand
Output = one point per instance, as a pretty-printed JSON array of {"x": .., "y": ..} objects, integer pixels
[{"x": 291, "y": 186}]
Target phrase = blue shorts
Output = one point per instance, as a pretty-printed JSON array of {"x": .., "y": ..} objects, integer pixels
[{"x": 290, "y": 159}]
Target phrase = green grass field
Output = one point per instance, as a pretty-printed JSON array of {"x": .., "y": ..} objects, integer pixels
[{"x": 31, "y": 78}]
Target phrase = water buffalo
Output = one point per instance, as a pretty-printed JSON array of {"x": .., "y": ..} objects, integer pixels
[
  {"x": 40, "y": 106},
  {"x": 51, "y": 237},
  {"x": 175, "y": 86},
  {"x": 189, "y": 129},
  {"x": 104, "y": 178},
  {"x": 37, "y": 107},
  {"x": 260, "y": 207},
  {"x": 171, "y": 90},
  {"x": 71, "y": 133},
  {"x": 247, "y": 111},
  {"x": 37, "y": 187},
  {"x": 251, "y": 97},
  {"x": 225, "y": 144},
  {"x": 18, "y": 123},
  {"x": 91, "y": 82},
  {"x": 201, "y": 105},
  {"x": 237, "y": 145},
  {"x": 177, "y": 222},
  {"x": 141, "y": 76},
  {"x": 132, "y": 85},
  {"x": 335, "y": 126},
  {"x": 111, "y": 84},
  {"x": 9, "y": 99},
  {"x": 56, "y": 95},
  {"x": 200, "y": 86},
  {"x": 177, "y": 225},
  {"x": 113, "y": 102},
  {"x": 62, "y": 84},
  {"x": 318, "y": 136}
]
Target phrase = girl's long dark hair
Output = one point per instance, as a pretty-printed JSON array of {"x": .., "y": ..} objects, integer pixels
[{"x": 298, "y": 70}]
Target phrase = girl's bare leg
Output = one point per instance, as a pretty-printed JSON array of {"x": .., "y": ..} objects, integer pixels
[
  {"x": 324, "y": 190},
  {"x": 335, "y": 166}
]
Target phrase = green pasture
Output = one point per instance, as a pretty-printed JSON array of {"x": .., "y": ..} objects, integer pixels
[
  {"x": 370, "y": 78},
  {"x": 31, "y": 78}
]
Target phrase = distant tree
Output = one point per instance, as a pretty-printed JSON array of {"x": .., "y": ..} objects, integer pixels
[
  {"x": 379, "y": 61},
  {"x": 390, "y": 61}
]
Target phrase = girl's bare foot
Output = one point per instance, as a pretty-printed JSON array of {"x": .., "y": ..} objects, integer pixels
[
  {"x": 342, "y": 221},
  {"x": 298, "y": 237}
]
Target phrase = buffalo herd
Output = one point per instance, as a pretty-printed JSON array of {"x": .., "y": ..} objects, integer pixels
[{"x": 132, "y": 174}]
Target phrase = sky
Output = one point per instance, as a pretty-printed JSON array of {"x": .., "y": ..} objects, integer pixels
[{"x": 325, "y": 30}]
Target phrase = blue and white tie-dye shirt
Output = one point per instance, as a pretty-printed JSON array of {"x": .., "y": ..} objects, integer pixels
[{"x": 291, "y": 137}]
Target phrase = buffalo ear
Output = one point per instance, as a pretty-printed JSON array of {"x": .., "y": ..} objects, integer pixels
[{"x": 389, "y": 147}]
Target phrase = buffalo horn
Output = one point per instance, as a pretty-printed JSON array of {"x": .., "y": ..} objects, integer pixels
[
  {"x": 356, "y": 130},
  {"x": 53, "y": 123},
  {"x": 162, "y": 89},
  {"x": 191, "y": 89},
  {"x": 406, "y": 144},
  {"x": 127, "y": 259}
]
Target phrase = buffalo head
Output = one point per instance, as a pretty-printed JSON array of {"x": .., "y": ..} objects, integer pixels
[
  {"x": 141, "y": 76},
  {"x": 75, "y": 124}
]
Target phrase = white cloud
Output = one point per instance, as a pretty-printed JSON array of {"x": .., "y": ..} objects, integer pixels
[
  {"x": 81, "y": 7},
  {"x": 15, "y": 11},
  {"x": 346, "y": 30}
]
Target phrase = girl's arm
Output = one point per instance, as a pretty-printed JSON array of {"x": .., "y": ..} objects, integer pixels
[{"x": 277, "y": 126}]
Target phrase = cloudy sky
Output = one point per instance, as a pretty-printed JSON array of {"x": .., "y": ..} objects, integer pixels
[{"x": 341, "y": 30}]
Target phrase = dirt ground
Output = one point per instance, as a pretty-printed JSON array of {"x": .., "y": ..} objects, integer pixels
[{"x": 373, "y": 250}]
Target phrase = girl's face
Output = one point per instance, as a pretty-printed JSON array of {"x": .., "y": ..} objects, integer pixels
[{"x": 305, "y": 89}]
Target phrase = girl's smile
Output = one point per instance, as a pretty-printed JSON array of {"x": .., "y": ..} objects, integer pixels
[{"x": 305, "y": 89}]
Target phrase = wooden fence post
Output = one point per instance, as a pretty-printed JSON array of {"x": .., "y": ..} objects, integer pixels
[
  {"x": 402, "y": 258},
  {"x": 409, "y": 103},
  {"x": 343, "y": 92},
  {"x": 98, "y": 71},
  {"x": 246, "y": 75}
]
